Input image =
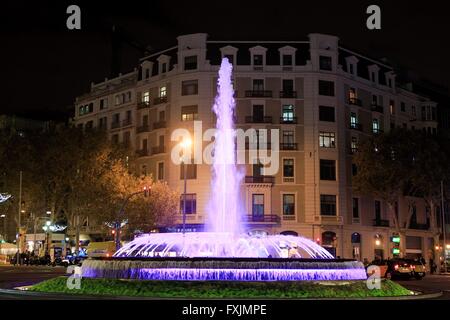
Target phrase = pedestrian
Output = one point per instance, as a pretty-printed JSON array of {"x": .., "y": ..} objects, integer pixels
[{"x": 431, "y": 265}]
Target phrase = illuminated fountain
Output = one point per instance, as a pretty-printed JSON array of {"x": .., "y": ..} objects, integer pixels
[{"x": 225, "y": 251}]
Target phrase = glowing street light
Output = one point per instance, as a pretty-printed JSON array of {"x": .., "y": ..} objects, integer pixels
[
  {"x": 377, "y": 242},
  {"x": 48, "y": 212}
]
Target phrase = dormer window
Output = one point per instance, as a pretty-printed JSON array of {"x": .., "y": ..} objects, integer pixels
[
  {"x": 190, "y": 63},
  {"x": 352, "y": 63},
  {"x": 373, "y": 73},
  {"x": 147, "y": 69},
  {"x": 164, "y": 67},
  {"x": 230, "y": 53},
  {"x": 258, "y": 60},
  {"x": 230, "y": 58},
  {"x": 390, "y": 79},
  {"x": 287, "y": 60},
  {"x": 325, "y": 63}
]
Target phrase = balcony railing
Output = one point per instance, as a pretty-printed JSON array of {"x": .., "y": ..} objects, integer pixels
[
  {"x": 142, "y": 152},
  {"x": 290, "y": 120},
  {"x": 258, "y": 145},
  {"x": 355, "y": 101},
  {"x": 255, "y": 119},
  {"x": 126, "y": 122},
  {"x": 380, "y": 223},
  {"x": 356, "y": 126},
  {"x": 258, "y": 94},
  {"x": 144, "y": 128},
  {"x": 376, "y": 108},
  {"x": 160, "y": 100},
  {"x": 377, "y": 131},
  {"x": 267, "y": 218},
  {"x": 159, "y": 124},
  {"x": 419, "y": 226},
  {"x": 115, "y": 125},
  {"x": 288, "y": 94},
  {"x": 143, "y": 104},
  {"x": 288, "y": 146},
  {"x": 259, "y": 179},
  {"x": 158, "y": 150}
]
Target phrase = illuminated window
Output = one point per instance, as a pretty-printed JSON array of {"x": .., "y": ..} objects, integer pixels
[
  {"x": 189, "y": 113},
  {"x": 327, "y": 139},
  {"x": 163, "y": 91}
]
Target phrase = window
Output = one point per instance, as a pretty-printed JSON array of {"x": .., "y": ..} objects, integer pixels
[
  {"x": 162, "y": 115},
  {"x": 118, "y": 99},
  {"x": 288, "y": 204},
  {"x": 374, "y": 100},
  {"x": 325, "y": 63},
  {"x": 189, "y": 113},
  {"x": 288, "y": 137},
  {"x": 258, "y": 170},
  {"x": 258, "y": 205},
  {"x": 257, "y": 59},
  {"x": 428, "y": 113},
  {"x": 103, "y": 103},
  {"x": 354, "y": 144},
  {"x": 354, "y": 169},
  {"x": 258, "y": 85},
  {"x": 392, "y": 106},
  {"x": 351, "y": 68},
  {"x": 146, "y": 97},
  {"x": 189, "y": 87},
  {"x": 191, "y": 171},
  {"x": 162, "y": 91},
  {"x": 288, "y": 113},
  {"x": 89, "y": 124},
  {"x": 355, "y": 207},
  {"x": 326, "y": 113},
  {"x": 326, "y": 88},
  {"x": 126, "y": 138},
  {"x": 288, "y": 168},
  {"x": 413, "y": 111},
  {"x": 326, "y": 139},
  {"x": 376, "y": 126},
  {"x": 164, "y": 67},
  {"x": 353, "y": 120},
  {"x": 352, "y": 94},
  {"x": 115, "y": 138},
  {"x": 327, "y": 205},
  {"x": 402, "y": 107},
  {"x": 116, "y": 118},
  {"x": 85, "y": 109},
  {"x": 288, "y": 86},
  {"x": 287, "y": 60},
  {"x": 160, "y": 170},
  {"x": 102, "y": 122},
  {"x": 190, "y": 201},
  {"x": 327, "y": 169},
  {"x": 147, "y": 73},
  {"x": 377, "y": 207},
  {"x": 190, "y": 63}
]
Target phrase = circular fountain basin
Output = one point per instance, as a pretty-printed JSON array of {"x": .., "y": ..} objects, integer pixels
[{"x": 223, "y": 269}]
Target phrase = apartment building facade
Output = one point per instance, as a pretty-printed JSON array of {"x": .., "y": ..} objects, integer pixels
[{"x": 321, "y": 97}]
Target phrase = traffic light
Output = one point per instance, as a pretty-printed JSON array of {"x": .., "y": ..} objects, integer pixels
[{"x": 396, "y": 242}]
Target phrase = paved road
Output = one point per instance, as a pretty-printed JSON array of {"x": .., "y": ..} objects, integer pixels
[
  {"x": 11, "y": 277},
  {"x": 430, "y": 283}
]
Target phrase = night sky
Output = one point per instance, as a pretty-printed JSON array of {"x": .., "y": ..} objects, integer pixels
[{"x": 44, "y": 66}]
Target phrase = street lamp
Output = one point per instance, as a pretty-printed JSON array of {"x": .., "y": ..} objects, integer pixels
[{"x": 185, "y": 144}]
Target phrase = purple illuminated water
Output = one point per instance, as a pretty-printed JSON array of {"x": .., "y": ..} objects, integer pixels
[{"x": 225, "y": 212}]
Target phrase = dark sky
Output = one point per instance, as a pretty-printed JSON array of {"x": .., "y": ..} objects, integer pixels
[{"x": 44, "y": 66}]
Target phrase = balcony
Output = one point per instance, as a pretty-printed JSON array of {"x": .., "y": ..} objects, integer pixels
[
  {"x": 288, "y": 120},
  {"x": 144, "y": 128},
  {"x": 115, "y": 125},
  {"x": 376, "y": 108},
  {"x": 143, "y": 104},
  {"x": 160, "y": 100},
  {"x": 258, "y": 94},
  {"x": 419, "y": 226},
  {"x": 260, "y": 179},
  {"x": 355, "y": 102},
  {"x": 288, "y": 94},
  {"x": 159, "y": 125},
  {"x": 356, "y": 126},
  {"x": 158, "y": 150},
  {"x": 267, "y": 218},
  {"x": 126, "y": 122},
  {"x": 142, "y": 153},
  {"x": 258, "y": 146},
  {"x": 255, "y": 119},
  {"x": 380, "y": 223},
  {"x": 377, "y": 131},
  {"x": 288, "y": 146}
]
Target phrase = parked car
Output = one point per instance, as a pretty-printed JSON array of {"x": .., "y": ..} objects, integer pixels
[
  {"x": 395, "y": 268},
  {"x": 418, "y": 269}
]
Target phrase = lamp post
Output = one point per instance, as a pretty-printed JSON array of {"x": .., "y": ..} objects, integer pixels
[
  {"x": 444, "y": 229},
  {"x": 185, "y": 144}
]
